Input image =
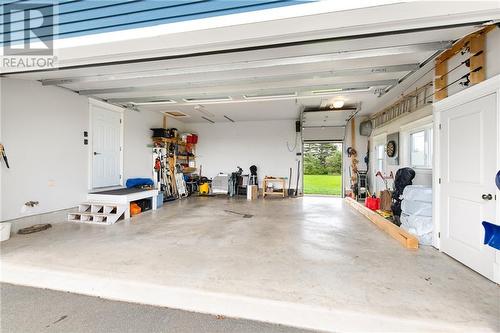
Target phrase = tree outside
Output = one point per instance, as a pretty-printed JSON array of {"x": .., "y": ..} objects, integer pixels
[{"x": 323, "y": 168}]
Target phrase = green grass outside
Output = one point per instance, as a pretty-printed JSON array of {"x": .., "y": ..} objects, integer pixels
[{"x": 323, "y": 184}]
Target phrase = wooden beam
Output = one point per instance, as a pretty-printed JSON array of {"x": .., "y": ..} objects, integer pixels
[
  {"x": 460, "y": 44},
  {"x": 477, "y": 60},
  {"x": 441, "y": 80},
  {"x": 165, "y": 121},
  {"x": 406, "y": 239}
]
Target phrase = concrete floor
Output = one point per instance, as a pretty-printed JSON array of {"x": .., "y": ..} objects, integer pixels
[
  {"x": 32, "y": 310},
  {"x": 309, "y": 262}
]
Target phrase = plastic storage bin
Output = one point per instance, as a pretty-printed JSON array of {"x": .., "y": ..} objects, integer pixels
[
  {"x": 159, "y": 200},
  {"x": 417, "y": 193},
  {"x": 372, "y": 203},
  {"x": 193, "y": 138},
  {"x": 416, "y": 208}
]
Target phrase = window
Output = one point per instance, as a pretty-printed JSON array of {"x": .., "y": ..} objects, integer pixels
[
  {"x": 380, "y": 157},
  {"x": 421, "y": 149}
]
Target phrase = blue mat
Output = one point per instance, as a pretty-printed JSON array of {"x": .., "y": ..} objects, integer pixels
[{"x": 135, "y": 182}]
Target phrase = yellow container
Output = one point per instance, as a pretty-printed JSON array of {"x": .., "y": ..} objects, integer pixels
[{"x": 204, "y": 188}]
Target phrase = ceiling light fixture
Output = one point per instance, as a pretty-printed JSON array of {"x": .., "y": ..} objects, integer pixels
[
  {"x": 207, "y": 99},
  {"x": 338, "y": 104},
  {"x": 327, "y": 91},
  {"x": 339, "y": 90},
  {"x": 270, "y": 96},
  {"x": 155, "y": 102}
]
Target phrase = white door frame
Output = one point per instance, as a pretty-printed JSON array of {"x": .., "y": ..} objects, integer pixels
[
  {"x": 477, "y": 91},
  {"x": 111, "y": 108}
]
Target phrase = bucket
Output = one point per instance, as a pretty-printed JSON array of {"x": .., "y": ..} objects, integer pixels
[
  {"x": 159, "y": 201},
  {"x": 5, "y": 231},
  {"x": 134, "y": 209},
  {"x": 204, "y": 188}
]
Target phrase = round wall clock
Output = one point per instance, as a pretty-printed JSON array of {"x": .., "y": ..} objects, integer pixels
[{"x": 391, "y": 148}]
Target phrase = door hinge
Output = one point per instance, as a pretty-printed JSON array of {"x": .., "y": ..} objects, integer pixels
[
  {"x": 120, "y": 176},
  {"x": 121, "y": 122},
  {"x": 439, "y": 235},
  {"x": 120, "y": 148},
  {"x": 439, "y": 180},
  {"x": 439, "y": 126}
]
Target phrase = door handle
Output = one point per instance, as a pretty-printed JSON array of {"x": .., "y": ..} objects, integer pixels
[
  {"x": 96, "y": 153},
  {"x": 487, "y": 196}
]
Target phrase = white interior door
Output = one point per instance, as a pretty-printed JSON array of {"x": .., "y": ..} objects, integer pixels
[
  {"x": 106, "y": 147},
  {"x": 468, "y": 146}
]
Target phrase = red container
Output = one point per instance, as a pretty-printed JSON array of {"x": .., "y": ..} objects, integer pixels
[
  {"x": 193, "y": 138},
  {"x": 372, "y": 203}
]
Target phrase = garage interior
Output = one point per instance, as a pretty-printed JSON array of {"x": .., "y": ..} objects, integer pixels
[{"x": 164, "y": 161}]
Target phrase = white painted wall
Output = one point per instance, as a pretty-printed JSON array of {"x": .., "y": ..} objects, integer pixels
[
  {"x": 224, "y": 146},
  {"x": 137, "y": 158},
  {"x": 492, "y": 53},
  {"x": 404, "y": 126},
  {"x": 42, "y": 130},
  {"x": 419, "y": 79}
]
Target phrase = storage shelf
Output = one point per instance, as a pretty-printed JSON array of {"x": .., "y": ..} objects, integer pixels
[{"x": 173, "y": 140}]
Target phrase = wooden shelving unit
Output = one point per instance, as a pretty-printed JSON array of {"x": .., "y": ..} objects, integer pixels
[
  {"x": 179, "y": 155},
  {"x": 179, "y": 147},
  {"x": 282, "y": 181}
]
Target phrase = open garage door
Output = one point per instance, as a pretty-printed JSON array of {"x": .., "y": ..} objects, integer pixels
[
  {"x": 323, "y": 133},
  {"x": 325, "y": 125}
]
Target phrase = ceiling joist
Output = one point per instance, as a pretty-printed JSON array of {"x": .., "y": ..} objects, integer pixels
[
  {"x": 262, "y": 63},
  {"x": 261, "y": 79},
  {"x": 276, "y": 88}
]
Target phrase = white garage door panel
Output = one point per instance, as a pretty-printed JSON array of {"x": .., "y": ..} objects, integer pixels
[{"x": 321, "y": 134}]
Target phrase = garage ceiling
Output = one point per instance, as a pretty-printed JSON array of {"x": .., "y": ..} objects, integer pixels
[{"x": 270, "y": 81}]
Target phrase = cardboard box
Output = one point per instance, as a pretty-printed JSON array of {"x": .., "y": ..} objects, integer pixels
[{"x": 252, "y": 192}]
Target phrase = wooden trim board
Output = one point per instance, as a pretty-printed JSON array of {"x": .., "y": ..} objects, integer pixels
[{"x": 402, "y": 236}]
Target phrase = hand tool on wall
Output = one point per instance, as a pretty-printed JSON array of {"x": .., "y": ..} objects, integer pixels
[{"x": 4, "y": 155}]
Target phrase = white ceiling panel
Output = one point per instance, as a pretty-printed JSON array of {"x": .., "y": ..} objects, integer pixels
[{"x": 369, "y": 64}]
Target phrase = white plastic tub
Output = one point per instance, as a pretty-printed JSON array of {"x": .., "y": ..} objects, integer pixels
[
  {"x": 421, "y": 224},
  {"x": 421, "y": 208},
  {"x": 418, "y": 193},
  {"x": 5, "y": 231}
]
